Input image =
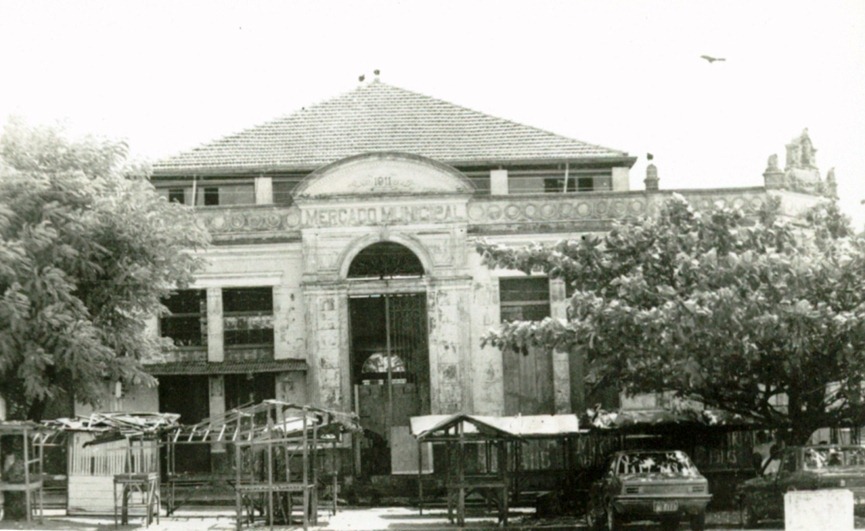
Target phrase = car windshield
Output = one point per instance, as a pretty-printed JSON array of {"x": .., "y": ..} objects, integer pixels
[
  {"x": 827, "y": 457},
  {"x": 669, "y": 463}
]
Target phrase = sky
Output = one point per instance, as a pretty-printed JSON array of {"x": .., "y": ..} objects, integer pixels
[{"x": 168, "y": 76}]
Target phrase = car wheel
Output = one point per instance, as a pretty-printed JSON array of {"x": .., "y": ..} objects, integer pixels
[
  {"x": 747, "y": 516},
  {"x": 614, "y": 521},
  {"x": 698, "y": 522}
]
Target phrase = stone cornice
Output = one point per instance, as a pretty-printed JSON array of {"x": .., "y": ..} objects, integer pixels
[{"x": 485, "y": 215}]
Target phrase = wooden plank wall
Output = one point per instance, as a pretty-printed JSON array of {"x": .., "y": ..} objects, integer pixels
[{"x": 91, "y": 471}]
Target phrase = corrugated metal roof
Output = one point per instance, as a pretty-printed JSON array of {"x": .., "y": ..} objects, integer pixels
[
  {"x": 379, "y": 117},
  {"x": 224, "y": 367},
  {"x": 529, "y": 426}
]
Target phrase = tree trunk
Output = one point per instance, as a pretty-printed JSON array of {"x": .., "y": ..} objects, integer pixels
[{"x": 36, "y": 410}]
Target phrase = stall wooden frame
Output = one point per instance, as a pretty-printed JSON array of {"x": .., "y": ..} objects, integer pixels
[
  {"x": 276, "y": 446},
  {"x": 33, "y": 454}
]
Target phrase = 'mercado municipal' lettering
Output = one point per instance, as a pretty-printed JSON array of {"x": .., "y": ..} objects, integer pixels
[{"x": 382, "y": 215}]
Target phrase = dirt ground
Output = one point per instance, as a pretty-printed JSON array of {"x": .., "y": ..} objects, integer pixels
[{"x": 356, "y": 519}]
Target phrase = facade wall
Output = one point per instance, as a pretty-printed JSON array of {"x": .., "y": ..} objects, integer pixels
[{"x": 304, "y": 252}]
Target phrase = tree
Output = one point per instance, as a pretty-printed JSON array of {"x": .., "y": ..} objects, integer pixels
[
  {"x": 740, "y": 312},
  {"x": 87, "y": 251}
]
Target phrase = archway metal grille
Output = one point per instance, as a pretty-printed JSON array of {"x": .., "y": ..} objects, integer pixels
[{"x": 385, "y": 260}]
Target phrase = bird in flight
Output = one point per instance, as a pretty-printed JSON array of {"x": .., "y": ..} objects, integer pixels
[{"x": 712, "y": 59}]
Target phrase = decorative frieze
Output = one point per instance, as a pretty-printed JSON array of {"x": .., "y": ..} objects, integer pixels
[
  {"x": 515, "y": 212},
  {"x": 506, "y": 212}
]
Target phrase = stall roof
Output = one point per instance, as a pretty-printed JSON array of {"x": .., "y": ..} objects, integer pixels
[
  {"x": 112, "y": 426},
  {"x": 524, "y": 427},
  {"x": 269, "y": 419}
]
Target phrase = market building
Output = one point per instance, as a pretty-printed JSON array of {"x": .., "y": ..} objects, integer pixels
[{"x": 344, "y": 272}]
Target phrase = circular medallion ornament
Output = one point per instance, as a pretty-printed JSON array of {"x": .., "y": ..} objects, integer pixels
[
  {"x": 566, "y": 210},
  {"x": 601, "y": 208},
  {"x": 548, "y": 211},
  {"x": 637, "y": 207},
  {"x": 272, "y": 220},
  {"x": 531, "y": 211},
  {"x": 217, "y": 222},
  {"x": 512, "y": 211},
  {"x": 494, "y": 212},
  {"x": 476, "y": 212},
  {"x": 237, "y": 222},
  {"x": 583, "y": 209},
  {"x": 292, "y": 219}
]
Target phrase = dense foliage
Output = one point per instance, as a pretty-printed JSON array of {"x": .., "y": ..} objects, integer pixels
[
  {"x": 87, "y": 250},
  {"x": 752, "y": 314}
]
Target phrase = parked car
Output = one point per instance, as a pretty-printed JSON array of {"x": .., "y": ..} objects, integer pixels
[
  {"x": 802, "y": 468},
  {"x": 664, "y": 486}
]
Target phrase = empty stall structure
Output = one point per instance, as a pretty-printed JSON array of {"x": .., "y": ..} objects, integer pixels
[
  {"x": 113, "y": 462},
  {"x": 276, "y": 465},
  {"x": 23, "y": 472}
]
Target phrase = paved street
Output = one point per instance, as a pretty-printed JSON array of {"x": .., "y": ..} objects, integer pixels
[{"x": 355, "y": 519}]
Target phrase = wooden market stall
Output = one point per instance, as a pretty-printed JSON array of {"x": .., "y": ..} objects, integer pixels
[
  {"x": 24, "y": 473},
  {"x": 113, "y": 462},
  {"x": 276, "y": 456},
  {"x": 464, "y": 435}
]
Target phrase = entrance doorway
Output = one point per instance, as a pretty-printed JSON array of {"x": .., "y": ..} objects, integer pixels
[
  {"x": 389, "y": 370},
  {"x": 188, "y": 396}
]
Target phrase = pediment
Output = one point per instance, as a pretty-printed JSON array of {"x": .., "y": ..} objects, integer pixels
[{"x": 383, "y": 174}]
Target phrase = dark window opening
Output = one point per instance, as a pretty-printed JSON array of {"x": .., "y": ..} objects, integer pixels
[
  {"x": 524, "y": 299},
  {"x": 211, "y": 196},
  {"x": 187, "y": 323},
  {"x": 248, "y": 316},
  {"x": 585, "y": 184},
  {"x": 385, "y": 260},
  {"x": 176, "y": 195},
  {"x": 554, "y": 185},
  {"x": 282, "y": 192},
  {"x": 244, "y": 389}
]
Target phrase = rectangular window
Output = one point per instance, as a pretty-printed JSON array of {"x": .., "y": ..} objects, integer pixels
[
  {"x": 248, "y": 316},
  {"x": 187, "y": 324},
  {"x": 585, "y": 184},
  {"x": 211, "y": 196},
  {"x": 176, "y": 195},
  {"x": 524, "y": 299},
  {"x": 554, "y": 185}
]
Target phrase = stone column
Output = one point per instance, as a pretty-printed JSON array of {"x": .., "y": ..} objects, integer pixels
[
  {"x": 327, "y": 333},
  {"x": 219, "y": 459},
  {"x": 499, "y": 182},
  {"x": 561, "y": 360},
  {"x": 488, "y": 393},
  {"x": 449, "y": 348},
  {"x": 288, "y": 321},
  {"x": 215, "y": 325},
  {"x": 621, "y": 179},
  {"x": 263, "y": 191}
]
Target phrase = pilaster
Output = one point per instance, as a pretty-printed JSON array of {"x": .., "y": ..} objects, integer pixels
[{"x": 215, "y": 325}]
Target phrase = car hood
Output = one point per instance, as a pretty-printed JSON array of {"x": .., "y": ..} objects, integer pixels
[
  {"x": 658, "y": 477},
  {"x": 841, "y": 471}
]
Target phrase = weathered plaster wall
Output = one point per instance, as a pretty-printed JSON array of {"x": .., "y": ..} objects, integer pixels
[
  {"x": 327, "y": 319},
  {"x": 449, "y": 311},
  {"x": 486, "y": 362}
]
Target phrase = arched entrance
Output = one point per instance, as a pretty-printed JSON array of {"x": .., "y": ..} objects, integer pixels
[{"x": 389, "y": 353}]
